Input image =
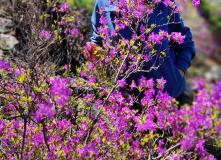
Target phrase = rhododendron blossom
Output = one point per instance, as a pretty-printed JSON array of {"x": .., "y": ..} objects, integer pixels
[
  {"x": 74, "y": 31},
  {"x": 45, "y": 34},
  {"x": 64, "y": 7},
  {"x": 196, "y": 3},
  {"x": 177, "y": 37}
]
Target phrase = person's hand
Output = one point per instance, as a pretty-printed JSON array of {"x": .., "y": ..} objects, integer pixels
[
  {"x": 181, "y": 72},
  {"x": 92, "y": 51}
]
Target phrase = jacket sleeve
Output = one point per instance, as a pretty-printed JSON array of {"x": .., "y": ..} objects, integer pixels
[
  {"x": 96, "y": 38},
  {"x": 185, "y": 51}
]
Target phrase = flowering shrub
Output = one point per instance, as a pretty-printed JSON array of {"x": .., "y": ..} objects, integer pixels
[
  {"x": 48, "y": 32},
  {"x": 44, "y": 116},
  {"x": 51, "y": 120}
]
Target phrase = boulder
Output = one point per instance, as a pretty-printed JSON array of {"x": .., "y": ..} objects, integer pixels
[
  {"x": 6, "y": 25},
  {"x": 214, "y": 74},
  {"x": 7, "y": 42},
  {"x": 1, "y": 54}
]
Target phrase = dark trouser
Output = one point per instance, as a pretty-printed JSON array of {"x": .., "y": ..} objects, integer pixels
[{"x": 186, "y": 97}]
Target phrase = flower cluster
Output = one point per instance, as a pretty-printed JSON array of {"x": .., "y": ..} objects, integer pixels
[
  {"x": 60, "y": 91},
  {"x": 196, "y": 3},
  {"x": 64, "y": 7},
  {"x": 44, "y": 110},
  {"x": 5, "y": 66},
  {"x": 45, "y": 34}
]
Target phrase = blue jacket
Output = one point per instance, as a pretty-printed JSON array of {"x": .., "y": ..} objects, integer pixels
[{"x": 178, "y": 56}]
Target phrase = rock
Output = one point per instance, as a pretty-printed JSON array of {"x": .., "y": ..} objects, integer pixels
[
  {"x": 6, "y": 25},
  {"x": 1, "y": 54},
  {"x": 214, "y": 74},
  {"x": 7, "y": 42}
]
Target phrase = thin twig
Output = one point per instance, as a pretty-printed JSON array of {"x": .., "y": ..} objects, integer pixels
[
  {"x": 23, "y": 138},
  {"x": 167, "y": 151},
  {"x": 108, "y": 96},
  {"x": 45, "y": 135}
]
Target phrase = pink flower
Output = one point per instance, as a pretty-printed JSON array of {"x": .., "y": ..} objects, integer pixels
[
  {"x": 150, "y": 11},
  {"x": 200, "y": 148},
  {"x": 102, "y": 10},
  {"x": 161, "y": 83},
  {"x": 160, "y": 149},
  {"x": 158, "y": 1},
  {"x": 166, "y": 2},
  {"x": 66, "y": 31},
  {"x": 83, "y": 73},
  {"x": 113, "y": 33},
  {"x": 163, "y": 33},
  {"x": 10, "y": 107},
  {"x": 51, "y": 155},
  {"x": 104, "y": 31},
  {"x": 44, "y": 110},
  {"x": 122, "y": 83},
  {"x": 87, "y": 47},
  {"x": 91, "y": 67},
  {"x": 62, "y": 22},
  {"x": 61, "y": 89},
  {"x": 196, "y": 3},
  {"x": 177, "y": 37},
  {"x": 107, "y": 45},
  {"x": 98, "y": 103},
  {"x": 2, "y": 125},
  {"x": 82, "y": 37},
  {"x": 156, "y": 38},
  {"x": 133, "y": 85},
  {"x": 187, "y": 143},
  {"x": 105, "y": 91},
  {"x": 19, "y": 71},
  {"x": 92, "y": 79},
  {"x": 146, "y": 57},
  {"x": 113, "y": 53},
  {"x": 175, "y": 157},
  {"x": 121, "y": 25},
  {"x": 45, "y": 34},
  {"x": 6, "y": 66},
  {"x": 177, "y": 10},
  {"x": 116, "y": 20},
  {"x": 103, "y": 20},
  {"x": 68, "y": 111},
  {"x": 55, "y": 9},
  {"x": 74, "y": 31},
  {"x": 137, "y": 14},
  {"x": 64, "y": 7},
  {"x": 143, "y": 38},
  {"x": 142, "y": 28}
]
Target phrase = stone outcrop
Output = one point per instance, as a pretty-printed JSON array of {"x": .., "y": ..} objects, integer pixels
[
  {"x": 6, "y": 25},
  {"x": 214, "y": 74},
  {"x": 1, "y": 54},
  {"x": 7, "y": 40}
]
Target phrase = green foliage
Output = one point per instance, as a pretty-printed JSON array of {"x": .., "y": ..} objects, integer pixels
[
  {"x": 87, "y": 4},
  {"x": 212, "y": 12}
]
